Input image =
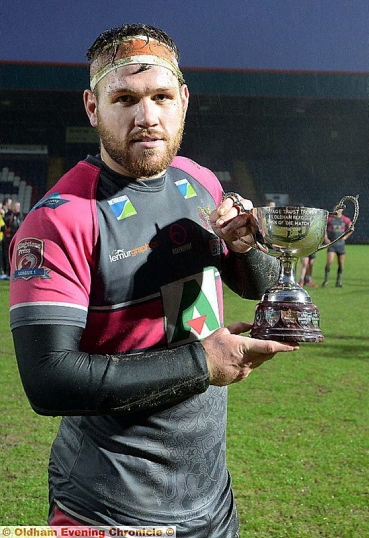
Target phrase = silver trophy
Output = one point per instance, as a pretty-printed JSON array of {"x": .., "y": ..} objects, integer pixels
[{"x": 286, "y": 311}]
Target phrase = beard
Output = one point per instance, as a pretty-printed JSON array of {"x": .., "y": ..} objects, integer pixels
[{"x": 150, "y": 162}]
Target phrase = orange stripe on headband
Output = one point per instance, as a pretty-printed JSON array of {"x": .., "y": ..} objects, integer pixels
[{"x": 134, "y": 50}]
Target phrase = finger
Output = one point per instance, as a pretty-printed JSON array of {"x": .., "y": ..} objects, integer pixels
[
  {"x": 247, "y": 204},
  {"x": 227, "y": 214},
  {"x": 234, "y": 205},
  {"x": 243, "y": 203},
  {"x": 244, "y": 222},
  {"x": 271, "y": 346},
  {"x": 225, "y": 206}
]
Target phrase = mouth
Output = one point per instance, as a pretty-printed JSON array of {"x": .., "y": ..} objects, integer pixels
[{"x": 148, "y": 140}]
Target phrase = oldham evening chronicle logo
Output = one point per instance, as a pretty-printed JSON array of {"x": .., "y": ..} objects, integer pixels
[{"x": 29, "y": 259}]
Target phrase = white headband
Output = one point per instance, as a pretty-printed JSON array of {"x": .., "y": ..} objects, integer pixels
[{"x": 138, "y": 50}]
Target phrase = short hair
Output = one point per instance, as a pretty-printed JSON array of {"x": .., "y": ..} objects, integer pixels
[{"x": 110, "y": 39}]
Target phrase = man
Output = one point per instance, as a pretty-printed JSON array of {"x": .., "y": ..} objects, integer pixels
[
  {"x": 13, "y": 219},
  {"x": 3, "y": 276},
  {"x": 337, "y": 224},
  {"x": 117, "y": 307},
  {"x": 7, "y": 204},
  {"x": 6, "y": 207},
  {"x": 306, "y": 273}
]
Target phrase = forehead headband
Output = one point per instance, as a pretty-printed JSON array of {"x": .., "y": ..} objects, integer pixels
[{"x": 134, "y": 50}]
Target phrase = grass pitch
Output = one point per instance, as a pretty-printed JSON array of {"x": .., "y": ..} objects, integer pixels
[{"x": 298, "y": 427}]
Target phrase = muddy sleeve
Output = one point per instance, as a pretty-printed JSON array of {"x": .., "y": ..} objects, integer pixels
[{"x": 61, "y": 380}]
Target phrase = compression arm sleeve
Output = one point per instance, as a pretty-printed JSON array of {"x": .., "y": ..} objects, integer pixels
[
  {"x": 61, "y": 380},
  {"x": 250, "y": 274}
]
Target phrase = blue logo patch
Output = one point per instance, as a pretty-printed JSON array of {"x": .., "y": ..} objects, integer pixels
[
  {"x": 185, "y": 188},
  {"x": 122, "y": 207},
  {"x": 52, "y": 201}
]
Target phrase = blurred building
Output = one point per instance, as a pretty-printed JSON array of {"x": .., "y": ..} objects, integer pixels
[{"x": 296, "y": 137}]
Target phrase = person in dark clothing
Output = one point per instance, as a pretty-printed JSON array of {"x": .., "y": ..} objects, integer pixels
[
  {"x": 13, "y": 219},
  {"x": 337, "y": 224}
]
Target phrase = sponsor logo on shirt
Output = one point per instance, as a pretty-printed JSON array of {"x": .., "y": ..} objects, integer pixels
[
  {"x": 185, "y": 188},
  {"x": 122, "y": 207},
  {"x": 178, "y": 236},
  {"x": 191, "y": 307},
  {"x": 120, "y": 254},
  {"x": 29, "y": 259},
  {"x": 52, "y": 201}
]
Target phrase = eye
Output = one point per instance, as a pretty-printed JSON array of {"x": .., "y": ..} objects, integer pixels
[
  {"x": 126, "y": 99},
  {"x": 162, "y": 97}
]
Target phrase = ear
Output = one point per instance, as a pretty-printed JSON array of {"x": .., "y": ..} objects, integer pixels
[
  {"x": 90, "y": 102},
  {"x": 185, "y": 95}
]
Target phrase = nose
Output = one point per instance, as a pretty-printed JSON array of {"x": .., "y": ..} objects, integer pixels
[{"x": 146, "y": 114}]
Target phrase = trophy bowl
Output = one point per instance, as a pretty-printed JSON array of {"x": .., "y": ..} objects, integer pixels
[{"x": 286, "y": 312}]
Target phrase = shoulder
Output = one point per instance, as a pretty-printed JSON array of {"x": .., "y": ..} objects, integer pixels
[
  {"x": 201, "y": 174},
  {"x": 69, "y": 205},
  {"x": 192, "y": 167},
  {"x": 75, "y": 191},
  {"x": 80, "y": 180}
]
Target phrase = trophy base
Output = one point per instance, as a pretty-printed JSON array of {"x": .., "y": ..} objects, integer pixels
[{"x": 287, "y": 322}]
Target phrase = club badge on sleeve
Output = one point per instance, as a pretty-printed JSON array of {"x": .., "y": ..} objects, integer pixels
[{"x": 29, "y": 259}]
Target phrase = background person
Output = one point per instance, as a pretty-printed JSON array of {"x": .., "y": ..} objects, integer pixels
[
  {"x": 116, "y": 307},
  {"x": 2, "y": 230},
  {"x": 13, "y": 219},
  {"x": 7, "y": 204},
  {"x": 336, "y": 225},
  {"x": 306, "y": 271},
  {"x": 6, "y": 210}
]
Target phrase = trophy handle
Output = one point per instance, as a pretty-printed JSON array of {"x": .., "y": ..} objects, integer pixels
[{"x": 351, "y": 228}]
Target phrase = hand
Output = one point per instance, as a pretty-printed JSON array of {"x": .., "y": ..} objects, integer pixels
[
  {"x": 232, "y": 357},
  {"x": 233, "y": 225}
]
